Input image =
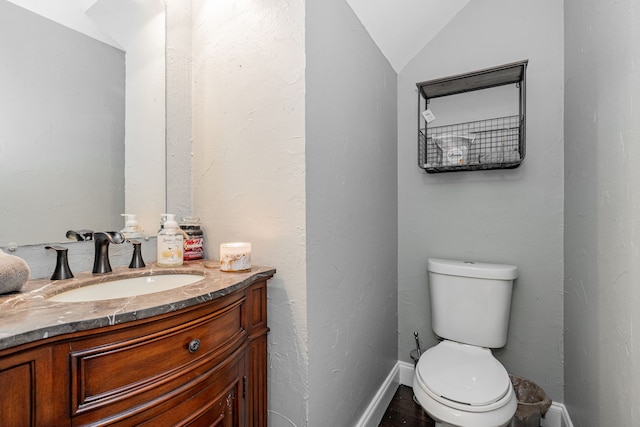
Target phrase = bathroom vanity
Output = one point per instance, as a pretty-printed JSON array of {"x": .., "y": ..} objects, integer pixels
[{"x": 194, "y": 355}]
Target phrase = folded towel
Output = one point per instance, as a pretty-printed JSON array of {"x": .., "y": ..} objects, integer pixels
[{"x": 14, "y": 272}]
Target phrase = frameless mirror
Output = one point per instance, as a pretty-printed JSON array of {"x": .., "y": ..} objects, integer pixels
[{"x": 74, "y": 75}]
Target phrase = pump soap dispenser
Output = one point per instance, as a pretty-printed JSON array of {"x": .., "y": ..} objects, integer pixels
[
  {"x": 170, "y": 244},
  {"x": 132, "y": 229}
]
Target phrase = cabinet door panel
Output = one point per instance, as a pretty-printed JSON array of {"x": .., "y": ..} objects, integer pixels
[
  {"x": 17, "y": 408},
  {"x": 223, "y": 412},
  {"x": 27, "y": 398}
]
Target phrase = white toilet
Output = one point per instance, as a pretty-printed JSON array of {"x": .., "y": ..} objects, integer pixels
[{"x": 459, "y": 382}]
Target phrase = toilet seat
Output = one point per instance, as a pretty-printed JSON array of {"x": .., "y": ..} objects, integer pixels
[{"x": 464, "y": 377}]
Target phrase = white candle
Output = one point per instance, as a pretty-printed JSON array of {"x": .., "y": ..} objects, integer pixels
[{"x": 235, "y": 256}]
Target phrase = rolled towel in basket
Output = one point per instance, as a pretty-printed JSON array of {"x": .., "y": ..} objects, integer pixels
[{"x": 14, "y": 273}]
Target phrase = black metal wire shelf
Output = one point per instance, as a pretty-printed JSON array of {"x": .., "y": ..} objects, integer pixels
[
  {"x": 489, "y": 144},
  {"x": 497, "y": 143}
]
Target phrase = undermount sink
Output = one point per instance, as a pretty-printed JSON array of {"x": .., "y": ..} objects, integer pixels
[{"x": 130, "y": 287}]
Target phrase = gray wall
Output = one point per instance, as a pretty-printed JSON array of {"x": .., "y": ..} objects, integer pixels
[
  {"x": 513, "y": 216},
  {"x": 602, "y": 369},
  {"x": 351, "y": 187}
]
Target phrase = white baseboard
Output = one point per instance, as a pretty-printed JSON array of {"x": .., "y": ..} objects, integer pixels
[
  {"x": 557, "y": 416},
  {"x": 378, "y": 406},
  {"x": 406, "y": 373},
  {"x": 558, "y": 412}
]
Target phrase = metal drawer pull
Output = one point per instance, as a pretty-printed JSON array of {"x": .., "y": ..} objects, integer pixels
[{"x": 194, "y": 345}]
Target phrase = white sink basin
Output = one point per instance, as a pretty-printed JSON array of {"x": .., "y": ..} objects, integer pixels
[{"x": 124, "y": 288}]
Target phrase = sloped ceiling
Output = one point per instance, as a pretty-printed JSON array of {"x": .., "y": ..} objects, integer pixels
[
  {"x": 70, "y": 13},
  {"x": 401, "y": 28}
]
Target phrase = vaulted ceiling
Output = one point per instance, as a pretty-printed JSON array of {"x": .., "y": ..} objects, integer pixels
[{"x": 401, "y": 28}]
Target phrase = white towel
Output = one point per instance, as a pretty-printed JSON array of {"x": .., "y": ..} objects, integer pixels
[{"x": 14, "y": 273}]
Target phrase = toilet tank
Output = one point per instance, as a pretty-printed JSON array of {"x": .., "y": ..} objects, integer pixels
[{"x": 471, "y": 302}]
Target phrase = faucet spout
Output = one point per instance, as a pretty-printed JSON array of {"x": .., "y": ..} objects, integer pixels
[
  {"x": 80, "y": 235},
  {"x": 101, "y": 262}
]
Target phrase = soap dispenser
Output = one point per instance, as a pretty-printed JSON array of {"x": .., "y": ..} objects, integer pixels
[
  {"x": 132, "y": 229},
  {"x": 170, "y": 244}
]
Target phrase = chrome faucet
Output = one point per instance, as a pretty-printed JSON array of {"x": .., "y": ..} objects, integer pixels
[{"x": 101, "y": 260}]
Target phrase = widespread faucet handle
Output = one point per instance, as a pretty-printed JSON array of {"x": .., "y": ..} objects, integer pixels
[
  {"x": 136, "y": 259},
  {"x": 62, "y": 270}
]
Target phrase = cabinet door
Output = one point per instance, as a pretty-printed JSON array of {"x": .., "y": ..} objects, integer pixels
[
  {"x": 27, "y": 389},
  {"x": 223, "y": 412},
  {"x": 217, "y": 400}
]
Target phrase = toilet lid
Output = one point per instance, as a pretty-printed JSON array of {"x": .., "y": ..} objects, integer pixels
[{"x": 463, "y": 373}]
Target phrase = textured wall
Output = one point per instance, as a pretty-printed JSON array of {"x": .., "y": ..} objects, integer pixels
[
  {"x": 602, "y": 203},
  {"x": 249, "y": 166},
  {"x": 513, "y": 216},
  {"x": 351, "y": 215}
]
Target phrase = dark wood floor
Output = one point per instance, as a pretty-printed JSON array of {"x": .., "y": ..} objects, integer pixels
[{"x": 403, "y": 411}]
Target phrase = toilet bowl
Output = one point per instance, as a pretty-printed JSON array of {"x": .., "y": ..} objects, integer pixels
[
  {"x": 462, "y": 385},
  {"x": 459, "y": 382}
]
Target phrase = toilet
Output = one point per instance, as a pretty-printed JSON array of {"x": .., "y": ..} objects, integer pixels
[{"x": 459, "y": 382}]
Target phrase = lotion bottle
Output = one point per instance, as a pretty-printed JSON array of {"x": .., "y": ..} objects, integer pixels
[{"x": 170, "y": 244}]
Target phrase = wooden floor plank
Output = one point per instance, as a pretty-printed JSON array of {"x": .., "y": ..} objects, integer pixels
[{"x": 404, "y": 412}]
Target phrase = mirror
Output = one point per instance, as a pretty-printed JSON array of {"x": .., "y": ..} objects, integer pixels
[{"x": 66, "y": 161}]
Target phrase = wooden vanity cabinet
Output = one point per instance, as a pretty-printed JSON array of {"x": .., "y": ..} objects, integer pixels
[{"x": 205, "y": 365}]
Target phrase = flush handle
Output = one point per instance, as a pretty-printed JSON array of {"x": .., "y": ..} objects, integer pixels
[{"x": 194, "y": 345}]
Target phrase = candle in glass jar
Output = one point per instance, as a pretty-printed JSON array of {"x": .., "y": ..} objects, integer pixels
[{"x": 235, "y": 256}]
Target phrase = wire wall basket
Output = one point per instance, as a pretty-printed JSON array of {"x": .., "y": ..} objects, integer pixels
[{"x": 486, "y": 144}]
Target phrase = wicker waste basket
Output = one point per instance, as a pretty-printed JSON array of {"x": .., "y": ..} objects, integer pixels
[{"x": 533, "y": 402}]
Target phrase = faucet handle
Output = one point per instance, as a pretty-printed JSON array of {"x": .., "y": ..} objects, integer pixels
[
  {"x": 62, "y": 270},
  {"x": 136, "y": 259}
]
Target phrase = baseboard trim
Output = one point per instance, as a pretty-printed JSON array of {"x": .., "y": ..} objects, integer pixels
[
  {"x": 557, "y": 416},
  {"x": 378, "y": 406},
  {"x": 406, "y": 373}
]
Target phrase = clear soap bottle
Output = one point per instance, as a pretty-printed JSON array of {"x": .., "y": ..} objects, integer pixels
[
  {"x": 170, "y": 244},
  {"x": 132, "y": 229}
]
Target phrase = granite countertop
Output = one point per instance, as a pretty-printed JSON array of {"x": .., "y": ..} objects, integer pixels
[{"x": 28, "y": 316}]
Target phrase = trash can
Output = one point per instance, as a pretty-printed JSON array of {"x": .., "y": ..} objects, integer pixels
[{"x": 533, "y": 402}]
